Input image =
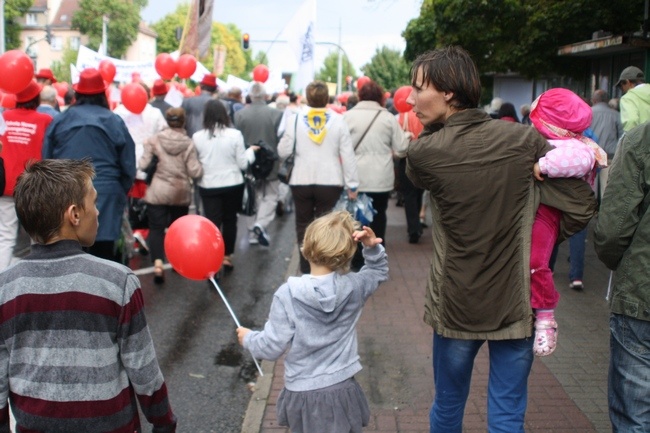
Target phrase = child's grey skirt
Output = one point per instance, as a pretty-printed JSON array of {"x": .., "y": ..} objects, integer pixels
[{"x": 340, "y": 408}]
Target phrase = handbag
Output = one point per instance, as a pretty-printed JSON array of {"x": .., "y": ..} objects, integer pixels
[
  {"x": 248, "y": 204},
  {"x": 284, "y": 172},
  {"x": 151, "y": 169}
]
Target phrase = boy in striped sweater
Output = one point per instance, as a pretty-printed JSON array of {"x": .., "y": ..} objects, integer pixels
[{"x": 75, "y": 349}]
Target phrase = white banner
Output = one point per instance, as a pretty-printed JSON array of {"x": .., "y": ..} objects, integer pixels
[
  {"x": 300, "y": 36},
  {"x": 124, "y": 69}
]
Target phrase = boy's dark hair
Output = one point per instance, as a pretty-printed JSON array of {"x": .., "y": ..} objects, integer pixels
[
  {"x": 46, "y": 189},
  {"x": 317, "y": 94}
]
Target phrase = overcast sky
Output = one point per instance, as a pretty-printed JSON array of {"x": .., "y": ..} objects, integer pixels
[{"x": 365, "y": 25}]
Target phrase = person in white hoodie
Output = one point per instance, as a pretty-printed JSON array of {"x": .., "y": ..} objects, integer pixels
[{"x": 314, "y": 317}]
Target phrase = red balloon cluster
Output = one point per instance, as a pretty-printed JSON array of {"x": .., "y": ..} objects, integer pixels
[
  {"x": 194, "y": 247},
  {"x": 16, "y": 71},
  {"x": 134, "y": 98},
  {"x": 261, "y": 73},
  {"x": 399, "y": 99}
]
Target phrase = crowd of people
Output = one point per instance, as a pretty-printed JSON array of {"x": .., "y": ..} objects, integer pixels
[{"x": 73, "y": 168}]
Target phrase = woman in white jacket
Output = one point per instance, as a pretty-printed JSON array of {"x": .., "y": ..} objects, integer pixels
[
  {"x": 324, "y": 161},
  {"x": 223, "y": 156},
  {"x": 378, "y": 142}
]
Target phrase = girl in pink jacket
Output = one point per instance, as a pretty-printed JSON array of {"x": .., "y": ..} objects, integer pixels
[{"x": 561, "y": 116}]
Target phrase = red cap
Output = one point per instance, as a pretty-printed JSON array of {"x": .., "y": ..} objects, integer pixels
[
  {"x": 46, "y": 74},
  {"x": 32, "y": 90},
  {"x": 159, "y": 88},
  {"x": 90, "y": 82},
  {"x": 209, "y": 80}
]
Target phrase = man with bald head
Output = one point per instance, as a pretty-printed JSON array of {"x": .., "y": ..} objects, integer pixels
[
  {"x": 606, "y": 124},
  {"x": 48, "y": 101}
]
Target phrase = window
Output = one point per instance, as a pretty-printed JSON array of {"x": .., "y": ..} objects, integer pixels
[
  {"x": 75, "y": 41},
  {"x": 57, "y": 43},
  {"x": 31, "y": 20}
]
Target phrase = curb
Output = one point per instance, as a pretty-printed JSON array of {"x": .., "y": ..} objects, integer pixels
[{"x": 257, "y": 404}]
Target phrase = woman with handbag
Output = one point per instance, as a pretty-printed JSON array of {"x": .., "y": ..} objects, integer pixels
[
  {"x": 223, "y": 156},
  {"x": 318, "y": 140},
  {"x": 169, "y": 195},
  {"x": 378, "y": 141}
]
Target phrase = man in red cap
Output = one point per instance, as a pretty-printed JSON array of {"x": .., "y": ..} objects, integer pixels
[
  {"x": 195, "y": 105},
  {"x": 89, "y": 129},
  {"x": 21, "y": 142},
  {"x": 159, "y": 91},
  {"x": 45, "y": 77}
]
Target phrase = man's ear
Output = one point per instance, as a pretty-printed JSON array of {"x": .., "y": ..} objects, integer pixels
[{"x": 72, "y": 215}]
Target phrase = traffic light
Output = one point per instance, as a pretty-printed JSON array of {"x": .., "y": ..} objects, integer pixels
[
  {"x": 245, "y": 41},
  {"x": 48, "y": 34}
]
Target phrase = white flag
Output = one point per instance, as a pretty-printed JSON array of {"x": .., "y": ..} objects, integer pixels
[{"x": 300, "y": 36}]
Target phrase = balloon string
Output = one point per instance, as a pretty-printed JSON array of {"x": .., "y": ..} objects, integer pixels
[{"x": 232, "y": 313}]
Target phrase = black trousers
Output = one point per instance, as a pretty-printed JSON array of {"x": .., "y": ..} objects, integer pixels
[
  {"x": 412, "y": 197},
  {"x": 220, "y": 206},
  {"x": 161, "y": 217},
  {"x": 310, "y": 202}
]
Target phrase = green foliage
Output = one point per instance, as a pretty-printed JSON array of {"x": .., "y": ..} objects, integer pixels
[
  {"x": 14, "y": 10},
  {"x": 388, "y": 68},
  {"x": 166, "y": 29},
  {"x": 61, "y": 69},
  {"x": 124, "y": 18},
  {"x": 518, "y": 35},
  {"x": 329, "y": 71}
]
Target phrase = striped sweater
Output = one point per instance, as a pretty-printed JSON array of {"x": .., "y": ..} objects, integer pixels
[{"x": 75, "y": 349}]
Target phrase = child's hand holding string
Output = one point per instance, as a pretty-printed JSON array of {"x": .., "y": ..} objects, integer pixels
[{"x": 366, "y": 236}]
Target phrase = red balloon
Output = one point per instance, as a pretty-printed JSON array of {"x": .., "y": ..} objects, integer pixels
[
  {"x": 16, "y": 71},
  {"x": 186, "y": 65},
  {"x": 134, "y": 98},
  {"x": 261, "y": 73},
  {"x": 194, "y": 247},
  {"x": 107, "y": 70},
  {"x": 361, "y": 81},
  {"x": 165, "y": 66},
  {"x": 399, "y": 99}
]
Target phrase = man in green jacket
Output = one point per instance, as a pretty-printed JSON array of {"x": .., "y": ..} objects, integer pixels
[
  {"x": 622, "y": 243},
  {"x": 479, "y": 173},
  {"x": 635, "y": 102}
]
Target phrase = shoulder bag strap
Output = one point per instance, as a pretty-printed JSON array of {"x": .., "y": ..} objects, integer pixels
[
  {"x": 295, "y": 130},
  {"x": 367, "y": 129}
]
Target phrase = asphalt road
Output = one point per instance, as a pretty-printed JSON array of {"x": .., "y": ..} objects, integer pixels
[{"x": 207, "y": 374}]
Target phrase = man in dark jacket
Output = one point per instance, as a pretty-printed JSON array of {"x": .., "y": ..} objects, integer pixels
[
  {"x": 479, "y": 174},
  {"x": 195, "y": 105},
  {"x": 259, "y": 122},
  {"x": 621, "y": 241}
]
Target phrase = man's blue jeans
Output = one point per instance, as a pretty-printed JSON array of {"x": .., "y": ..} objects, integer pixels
[
  {"x": 629, "y": 383},
  {"x": 510, "y": 364}
]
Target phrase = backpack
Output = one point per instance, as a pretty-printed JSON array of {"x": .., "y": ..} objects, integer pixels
[{"x": 265, "y": 159}]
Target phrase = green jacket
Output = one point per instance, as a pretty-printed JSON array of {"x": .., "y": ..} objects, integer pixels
[
  {"x": 479, "y": 173},
  {"x": 622, "y": 236},
  {"x": 635, "y": 106}
]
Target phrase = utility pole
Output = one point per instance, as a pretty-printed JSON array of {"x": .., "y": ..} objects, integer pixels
[
  {"x": 105, "y": 22},
  {"x": 339, "y": 69},
  {"x": 2, "y": 26}
]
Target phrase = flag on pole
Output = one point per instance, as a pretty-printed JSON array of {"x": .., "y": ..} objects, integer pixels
[
  {"x": 299, "y": 33},
  {"x": 197, "y": 32}
]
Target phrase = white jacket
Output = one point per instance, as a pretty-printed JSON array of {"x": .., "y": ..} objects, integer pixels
[
  {"x": 384, "y": 140},
  {"x": 223, "y": 157}
]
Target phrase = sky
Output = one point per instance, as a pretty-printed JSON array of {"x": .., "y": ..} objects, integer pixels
[{"x": 359, "y": 26}]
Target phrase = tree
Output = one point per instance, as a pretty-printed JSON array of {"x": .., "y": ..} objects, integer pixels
[
  {"x": 15, "y": 9},
  {"x": 516, "y": 35},
  {"x": 329, "y": 71},
  {"x": 388, "y": 68},
  {"x": 124, "y": 16},
  {"x": 61, "y": 69}
]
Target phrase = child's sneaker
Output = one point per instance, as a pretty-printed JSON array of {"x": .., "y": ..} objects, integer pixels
[{"x": 545, "y": 334}]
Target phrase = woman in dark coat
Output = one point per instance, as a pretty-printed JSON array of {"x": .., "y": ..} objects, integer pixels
[{"x": 89, "y": 129}]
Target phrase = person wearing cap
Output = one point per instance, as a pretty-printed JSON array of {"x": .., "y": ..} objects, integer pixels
[
  {"x": 45, "y": 77},
  {"x": 89, "y": 129},
  {"x": 158, "y": 92},
  {"x": 22, "y": 142},
  {"x": 635, "y": 102},
  {"x": 479, "y": 175},
  {"x": 621, "y": 243},
  {"x": 562, "y": 117}
]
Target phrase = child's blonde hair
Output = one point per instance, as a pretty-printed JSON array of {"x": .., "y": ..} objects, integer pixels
[{"x": 328, "y": 241}]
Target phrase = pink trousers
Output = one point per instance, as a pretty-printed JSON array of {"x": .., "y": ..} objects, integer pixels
[{"x": 546, "y": 229}]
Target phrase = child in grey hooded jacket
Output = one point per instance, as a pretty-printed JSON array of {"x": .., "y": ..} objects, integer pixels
[{"x": 314, "y": 317}]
